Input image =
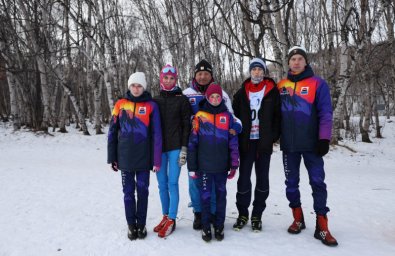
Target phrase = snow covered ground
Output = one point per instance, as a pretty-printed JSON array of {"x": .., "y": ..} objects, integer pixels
[{"x": 59, "y": 197}]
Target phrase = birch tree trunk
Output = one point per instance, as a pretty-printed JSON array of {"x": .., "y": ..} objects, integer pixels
[
  {"x": 277, "y": 39},
  {"x": 33, "y": 40},
  {"x": 364, "y": 48},
  {"x": 63, "y": 112},
  {"x": 391, "y": 40},
  {"x": 331, "y": 64},
  {"x": 347, "y": 115},
  {"x": 12, "y": 87},
  {"x": 191, "y": 34},
  {"x": 376, "y": 115},
  {"x": 248, "y": 32},
  {"x": 366, "y": 118},
  {"x": 344, "y": 74},
  {"x": 26, "y": 117},
  {"x": 106, "y": 71},
  {"x": 13, "y": 99},
  {"x": 97, "y": 104},
  {"x": 343, "y": 81},
  {"x": 282, "y": 23},
  {"x": 95, "y": 87}
]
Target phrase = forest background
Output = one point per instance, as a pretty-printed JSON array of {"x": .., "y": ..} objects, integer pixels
[{"x": 67, "y": 61}]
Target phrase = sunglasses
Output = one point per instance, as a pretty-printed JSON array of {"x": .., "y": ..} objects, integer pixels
[{"x": 169, "y": 69}]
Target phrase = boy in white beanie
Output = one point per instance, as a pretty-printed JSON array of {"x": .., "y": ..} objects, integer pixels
[
  {"x": 135, "y": 130},
  {"x": 137, "y": 78}
]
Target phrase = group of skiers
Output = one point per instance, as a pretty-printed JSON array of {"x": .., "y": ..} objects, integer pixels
[{"x": 200, "y": 127}]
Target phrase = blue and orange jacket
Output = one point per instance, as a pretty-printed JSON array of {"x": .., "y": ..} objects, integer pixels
[
  {"x": 195, "y": 97},
  {"x": 135, "y": 136},
  {"x": 211, "y": 147},
  {"x": 306, "y": 111}
]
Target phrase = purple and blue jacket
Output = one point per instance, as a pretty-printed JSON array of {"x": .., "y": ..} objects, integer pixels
[
  {"x": 211, "y": 147},
  {"x": 135, "y": 136},
  {"x": 306, "y": 111}
]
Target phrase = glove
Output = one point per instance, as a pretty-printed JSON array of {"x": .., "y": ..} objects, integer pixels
[
  {"x": 193, "y": 175},
  {"x": 182, "y": 159},
  {"x": 322, "y": 147},
  {"x": 231, "y": 174},
  {"x": 156, "y": 169},
  {"x": 114, "y": 166}
]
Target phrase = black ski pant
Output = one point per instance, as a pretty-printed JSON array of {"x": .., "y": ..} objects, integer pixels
[{"x": 244, "y": 186}]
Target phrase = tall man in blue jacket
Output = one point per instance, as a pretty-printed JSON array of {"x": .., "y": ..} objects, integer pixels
[{"x": 306, "y": 132}]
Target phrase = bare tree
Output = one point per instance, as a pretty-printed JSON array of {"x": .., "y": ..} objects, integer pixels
[
  {"x": 69, "y": 60},
  {"x": 362, "y": 39}
]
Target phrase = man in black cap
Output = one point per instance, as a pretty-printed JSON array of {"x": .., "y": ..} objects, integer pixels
[{"x": 203, "y": 77}]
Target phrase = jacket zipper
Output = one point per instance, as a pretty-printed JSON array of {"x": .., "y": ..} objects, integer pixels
[
  {"x": 165, "y": 117},
  {"x": 293, "y": 118},
  {"x": 134, "y": 116},
  {"x": 215, "y": 130}
]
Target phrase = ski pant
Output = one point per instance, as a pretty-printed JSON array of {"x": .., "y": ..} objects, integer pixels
[
  {"x": 218, "y": 180},
  {"x": 244, "y": 186},
  {"x": 194, "y": 194},
  {"x": 136, "y": 213},
  {"x": 168, "y": 183},
  {"x": 315, "y": 168}
]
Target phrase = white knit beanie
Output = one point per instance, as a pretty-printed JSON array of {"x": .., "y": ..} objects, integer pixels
[{"x": 137, "y": 78}]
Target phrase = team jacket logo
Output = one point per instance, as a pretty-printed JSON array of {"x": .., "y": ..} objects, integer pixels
[
  {"x": 222, "y": 119},
  {"x": 192, "y": 101},
  {"x": 304, "y": 91},
  {"x": 284, "y": 91},
  {"x": 142, "y": 110}
]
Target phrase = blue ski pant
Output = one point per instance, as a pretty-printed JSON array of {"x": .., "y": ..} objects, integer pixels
[
  {"x": 194, "y": 194},
  {"x": 315, "y": 168},
  {"x": 168, "y": 183},
  {"x": 136, "y": 212},
  {"x": 218, "y": 180}
]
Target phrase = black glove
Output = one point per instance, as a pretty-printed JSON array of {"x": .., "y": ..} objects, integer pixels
[
  {"x": 114, "y": 166},
  {"x": 322, "y": 147}
]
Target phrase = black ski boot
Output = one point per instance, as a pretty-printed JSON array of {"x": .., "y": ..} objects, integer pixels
[
  {"x": 240, "y": 223},
  {"x": 219, "y": 233},
  {"x": 256, "y": 224},
  {"x": 206, "y": 234},
  {"x": 141, "y": 232},
  {"x": 132, "y": 232},
  {"x": 197, "y": 222}
]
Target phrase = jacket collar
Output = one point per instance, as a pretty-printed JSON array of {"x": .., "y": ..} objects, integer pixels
[
  {"x": 146, "y": 96},
  {"x": 207, "y": 107},
  {"x": 176, "y": 91},
  {"x": 308, "y": 72}
]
